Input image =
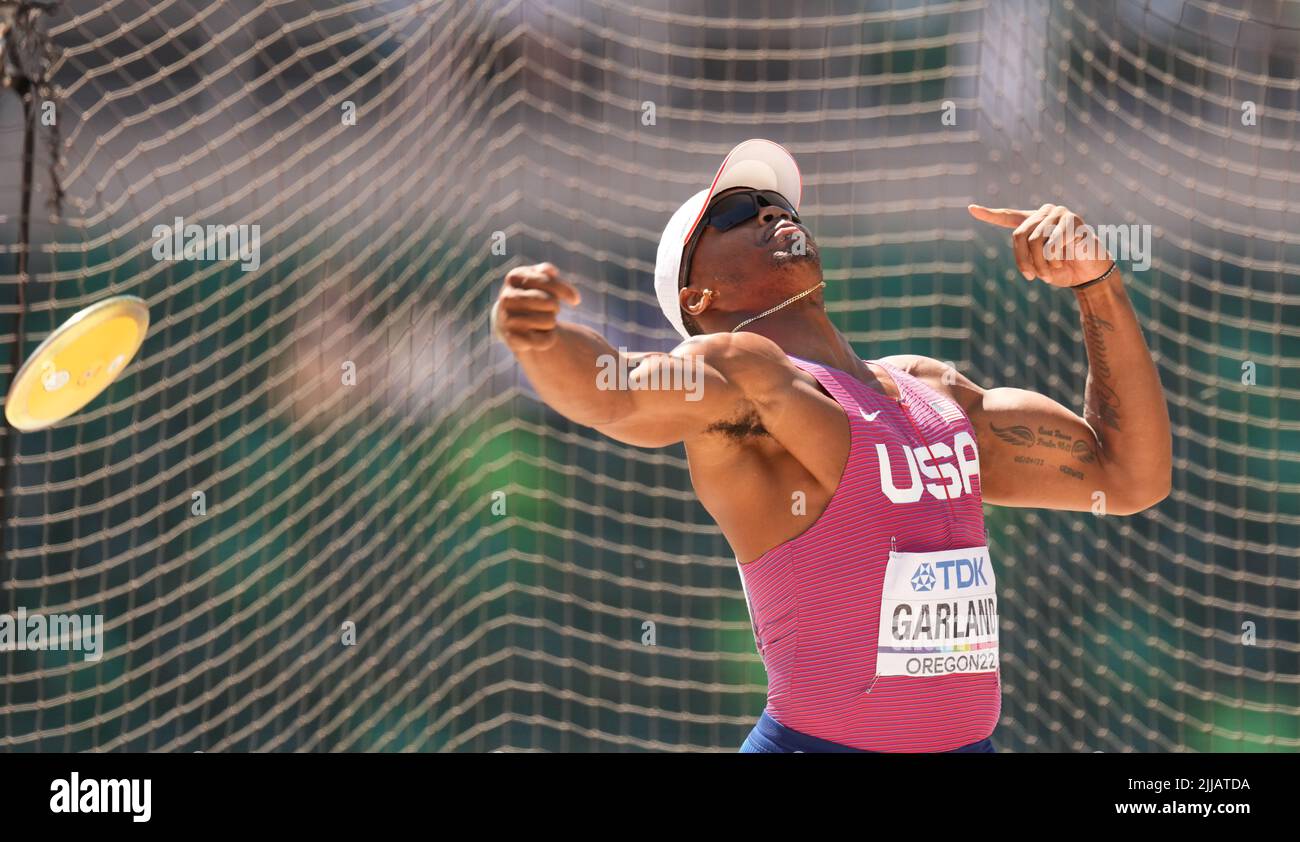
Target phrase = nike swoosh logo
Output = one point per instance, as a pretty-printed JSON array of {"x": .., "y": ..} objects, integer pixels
[{"x": 872, "y": 416}]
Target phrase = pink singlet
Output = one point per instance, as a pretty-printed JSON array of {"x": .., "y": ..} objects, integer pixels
[{"x": 906, "y": 662}]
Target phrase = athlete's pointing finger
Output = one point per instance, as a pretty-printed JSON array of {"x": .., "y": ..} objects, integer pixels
[{"x": 1004, "y": 217}]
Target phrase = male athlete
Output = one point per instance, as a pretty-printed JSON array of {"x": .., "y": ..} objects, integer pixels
[{"x": 851, "y": 490}]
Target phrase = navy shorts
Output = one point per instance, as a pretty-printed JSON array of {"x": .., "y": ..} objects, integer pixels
[{"x": 771, "y": 737}]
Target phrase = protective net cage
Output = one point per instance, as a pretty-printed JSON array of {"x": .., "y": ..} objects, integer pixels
[{"x": 331, "y": 437}]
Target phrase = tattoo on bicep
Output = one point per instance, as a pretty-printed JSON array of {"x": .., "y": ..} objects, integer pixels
[
  {"x": 1052, "y": 437},
  {"x": 1099, "y": 379},
  {"x": 1068, "y": 471},
  {"x": 1048, "y": 438},
  {"x": 1018, "y": 435}
]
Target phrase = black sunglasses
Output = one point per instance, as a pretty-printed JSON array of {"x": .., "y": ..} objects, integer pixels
[{"x": 728, "y": 212}]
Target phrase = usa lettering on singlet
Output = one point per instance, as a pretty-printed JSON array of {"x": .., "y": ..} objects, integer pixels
[{"x": 878, "y": 624}]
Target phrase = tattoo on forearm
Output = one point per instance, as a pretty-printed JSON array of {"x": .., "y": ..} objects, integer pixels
[
  {"x": 1066, "y": 469},
  {"x": 1094, "y": 335}
]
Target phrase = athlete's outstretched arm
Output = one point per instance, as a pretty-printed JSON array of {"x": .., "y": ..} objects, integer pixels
[
  {"x": 1033, "y": 450},
  {"x": 644, "y": 399}
]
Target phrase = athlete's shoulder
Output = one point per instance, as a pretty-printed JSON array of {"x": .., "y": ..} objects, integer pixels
[
  {"x": 940, "y": 376},
  {"x": 916, "y": 365},
  {"x": 744, "y": 358},
  {"x": 725, "y": 345}
]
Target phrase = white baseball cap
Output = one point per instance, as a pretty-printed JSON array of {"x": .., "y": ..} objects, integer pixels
[{"x": 757, "y": 164}]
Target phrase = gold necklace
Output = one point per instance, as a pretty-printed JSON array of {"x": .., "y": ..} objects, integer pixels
[{"x": 792, "y": 299}]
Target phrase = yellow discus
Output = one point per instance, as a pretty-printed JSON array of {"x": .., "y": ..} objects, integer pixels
[{"x": 76, "y": 362}]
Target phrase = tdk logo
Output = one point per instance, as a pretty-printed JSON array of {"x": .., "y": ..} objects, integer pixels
[
  {"x": 956, "y": 573},
  {"x": 921, "y": 463}
]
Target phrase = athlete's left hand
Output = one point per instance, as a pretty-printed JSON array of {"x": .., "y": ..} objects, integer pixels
[{"x": 1052, "y": 243}]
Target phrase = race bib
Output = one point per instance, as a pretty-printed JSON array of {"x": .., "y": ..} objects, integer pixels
[{"x": 938, "y": 614}]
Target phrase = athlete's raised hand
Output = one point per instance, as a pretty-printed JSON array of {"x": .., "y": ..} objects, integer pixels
[
  {"x": 1052, "y": 243},
  {"x": 528, "y": 309}
]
